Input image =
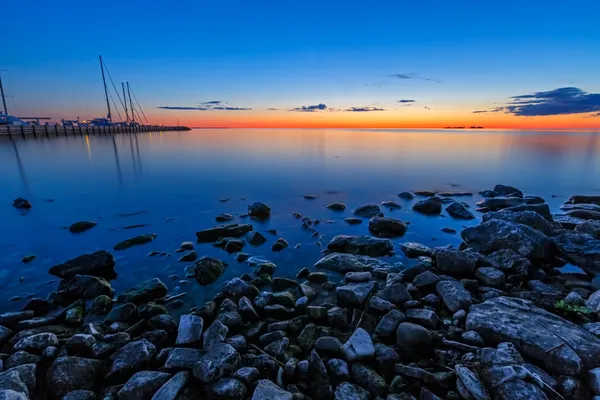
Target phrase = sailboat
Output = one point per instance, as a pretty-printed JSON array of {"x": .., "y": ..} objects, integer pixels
[{"x": 6, "y": 119}]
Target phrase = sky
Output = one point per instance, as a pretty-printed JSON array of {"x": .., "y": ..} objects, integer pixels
[{"x": 387, "y": 64}]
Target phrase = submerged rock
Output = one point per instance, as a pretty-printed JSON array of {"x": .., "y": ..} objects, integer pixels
[
  {"x": 368, "y": 211},
  {"x": 21, "y": 203},
  {"x": 88, "y": 287},
  {"x": 100, "y": 264},
  {"x": 560, "y": 345},
  {"x": 459, "y": 211},
  {"x": 208, "y": 269},
  {"x": 259, "y": 210},
  {"x": 387, "y": 227},
  {"x": 221, "y": 231},
  {"x": 499, "y": 203},
  {"x": 135, "y": 241},
  {"x": 279, "y": 244},
  {"x": 336, "y": 206},
  {"x": 256, "y": 239},
  {"x": 578, "y": 199},
  {"x": 505, "y": 190},
  {"x": 406, "y": 195},
  {"x": 353, "y": 221},
  {"x": 363, "y": 245},
  {"x": 431, "y": 206},
  {"x": 149, "y": 290},
  {"x": 81, "y": 226}
]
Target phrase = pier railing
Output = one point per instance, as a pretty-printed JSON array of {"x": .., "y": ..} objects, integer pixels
[{"x": 61, "y": 130}]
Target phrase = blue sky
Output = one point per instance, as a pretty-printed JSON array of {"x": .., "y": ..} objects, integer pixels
[{"x": 288, "y": 54}]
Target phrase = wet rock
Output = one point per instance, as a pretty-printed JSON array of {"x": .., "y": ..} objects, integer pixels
[
  {"x": 5, "y": 334},
  {"x": 392, "y": 205},
  {"x": 108, "y": 344},
  {"x": 423, "y": 317},
  {"x": 100, "y": 264},
  {"x": 395, "y": 293},
  {"x": 10, "y": 319},
  {"x": 37, "y": 343},
  {"x": 182, "y": 358},
  {"x": 431, "y": 206},
  {"x": 143, "y": 385},
  {"x": 542, "y": 209},
  {"x": 519, "y": 389},
  {"x": 267, "y": 390},
  {"x": 21, "y": 203},
  {"x": 579, "y": 199},
  {"x": 496, "y": 235},
  {"x": 425, "y": 280},
  {"x": 499, "y": 203},
  {"x": 80, "y": 343},
  {"x": 358, "y": 277},
  {"x": 362, "y": 245},
  {"x": 188, "y": 257},
  {"x": 359, "y": 346},
  {"x": 28, "y": 259},
  {"x": 219, "y": 360},
  {"x": 470, "y": 382},
  {"x": 336, "y": 206},
  {"x": 208, "y": 269},
  {"x": 369, "y": 379},
  {"x": 505, "y": 190},
  {"x": 344, "y": 263},
  {"x": 236, "y": 288},
  {"x": 247, "y": 311},
  {"x": 223, "y": 217},
  {"x": 80, "y": 395},
  {"x": 88, "y": 287},
  {"x": 354, "y": 294},
  {"x": 448, "y": 230},
  {"x": 387, "y": 227},
  {"x": 348, "y": 391},
  {"x": 21, "y": 357},
  {"x": 406, "y": 195},
  {"x": 135, "y": 241},
  {"x": 221, "y": 231},
  {"x": 279, "y": 244},
  {"x": 259, "y": 210},
  {"x": 529, "y": 218},
  {"x": 560, "y": 345},
  {"x": 454, "y": 295},
  {"x": 413, "y": 338},
  {"x": 130, "y": 358},
  {"x": 387, "y": 326},
  {"x": 122, "y": 313},
  {"x": 455, "y": 262},
  {"x": 74, "y": 373},
  {"x": 490, "y": 277},
  {"x": 592, "y": 228},
  {"x": 256, "y": 239},
  {"x": 459, "y": 211},
  {"x": 226, "y": 388},
  {"x": 414, "y": 250},
  {"x": 353, "y": 221},
  {"x": 190, "y": 330},
  {"x": 579, "y": 248},
  {"x": 171, "y": 389},
  {"x": 511, "y": 262},
  {"x": 368, "y": 211},
  {"x": 81, "y": 226}
]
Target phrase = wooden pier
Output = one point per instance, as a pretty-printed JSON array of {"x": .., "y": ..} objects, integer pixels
[{"x": 60, "y": 130}]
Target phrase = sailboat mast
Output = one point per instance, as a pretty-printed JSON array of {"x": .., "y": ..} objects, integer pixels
[
  {"x": 125, "y": 100},
  {"x": 3, "y": 98},
  {"x": 105, "y": 89},
  {"x": 130, "y": 103}
]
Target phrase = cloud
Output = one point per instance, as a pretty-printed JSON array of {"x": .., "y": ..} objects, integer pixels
[
  {"x": 272, "y": 109},
  {"x": 480, "y": 111},
  {"x": 214, "y": 105},
  {"x": 364, "y": 109},
  {"x": 427, "y": 108},
  {"x": 314, "y": 108},
  {"x": 411, "y": 75},
  {"x": 561, "y": 101},
  {"x": 406, "y": 101}
]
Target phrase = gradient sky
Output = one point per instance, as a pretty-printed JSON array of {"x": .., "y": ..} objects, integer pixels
[{"x": 318, "y": 64}]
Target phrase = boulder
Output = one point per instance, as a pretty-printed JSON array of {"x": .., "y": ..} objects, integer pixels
[
  {"x": 348, "y": 391},
  {"x": 511, "y": 262},
  {"x": 455, "y": 262},
  {"x": 542, "y": 209},
  {"x": 221, "y": 231},
  {"x": 395, "y": 293},
  {"x": 336, "y": 206},
  {"x": 368, "y": 211},
  {"x": 423, "y": 317},
  {"x": 431, "y": 206},
  {"x": 497, "y": 234},
  {"x": 354, "y": 294},
  {"x": 386, "y": 328},
  {"x": 182, "y": 358},
  {"x": 579, "y": 199},
  {"x": 220, "y": 360},
  {"x": 267, "y": 390},
  {"x": 144, "y": 292},
  {"x": 413, "y": 338},
  {"x": 235, "y": 289},
  {"x": 208, "y": 269},
  {"x": 505, "y": 190},
  {"x": 143, "y": 385},
  {"x": 190, "y": 330},
  {"x": 359, "y": 346},
  {"x": 454, "y": 295},
  {"x": 129, "y": 359},
  {"x": 122, "y": 313},
  {"x": 529, "y": 218},
  {"x": 256, "y": 239},
  {"x": 74, "y": 373},
  {"x": 108, "y": 344},
  {"x": 580, "y": 248},
  {"x": 37, "y": 343},
  {"x": 459, "y": 211},
  {"x": 259, "y": 210},
  {"x": 499, "y": 203},
  {"x": 88, "y": 287},
  {"x": 100, "y": 264},
  {"x": 226, "y": 388},
  {"x": 344, "y": 263},
  {"x": 559, "y": 345},
  {"x": 592, "y": 228},
  {"x": 414, "y": 250},
  {"x": 488, "y": 276},
  {"x": 80, "y": 395},
  {"x": 135, "y": 241},
  {"x": 21, "y": 203},
  {"x": 171, "y": 389},
  {"x": 387, "y": 227},
  {"x": 362, "y": 245},
  {"x": 369, "y": 379}
]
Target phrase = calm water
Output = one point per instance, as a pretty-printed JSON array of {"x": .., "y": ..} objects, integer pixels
[{"x": 177, "y": 180}]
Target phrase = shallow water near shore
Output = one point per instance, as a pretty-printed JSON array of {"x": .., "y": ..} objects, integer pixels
[{"x": 175, "y": 183}]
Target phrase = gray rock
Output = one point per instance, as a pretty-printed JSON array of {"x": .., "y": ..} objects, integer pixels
[
  {"x": 348, "y": 391},
  {"x": 221, "y": 231},
  {"x": 473, "y": 338},
  {"x": 73, "y": 373},
  {"x": 344, "y": 263},
  {"x": 395, "y": 293},
  {"x": 129, "y": 359},
  {"x": 574, "y": 299},
  {"x": 182, "y": 358},
  {"x": 558, "y": 344},
  {"x": 267, "y": 390},
  {"x": 455, "y": 262},
  {"x": 454, "y": 295},
  {"x": 219, "y": 360},
  {"x": 100, "y": 264},
  {"x": 414, "y": 250},
  {"x": 248, "y": 375},
  {"x": 80, "y": 343},
  {"x": 520, "y": 390},
  {"x": 387, "y": 227},
  {"x": 12, "y": 386},
  {"x": 505, "y": 190},
  {"x": 21, "y": 357},
  {"x": 459, "y": 211},
  {"x": 80, "y": 395},
  {"x": 593, "y": 380},
  {"x": 471, "y": 382},
  {"x": 143, "y": 385},
  {"x": 235, "y": 289},
  {"x": 497, "y": 234},
  {"x": 171, "y": 389},
  {"x": 490, "y": 277},
  {"x": 359, "y": 346},
  {"x": 88, "y": 287},
  {"x": 368, "y": 211},
  {"x": 278, "y": 348},
  {"x": 328, "y": 345},
  {"x": 338, "y": 370},
  {"x": 413, "y": 338},
  {"x": 593, "y": 328},
  {"x": 511, "y": 262},
  {"x": 361, "y": 245},
  {"x": 108, "y": 344},
  {"x": 190, "y": 330},
  {"x": 37, "y": 343},
  {"x": 423, "y": 317},
  {"x": 247, "y": 311},
  {"x": 369, "y": 379},
  {"x": 216, "y": 333},
  {"x": 592, "y": 228},
  {"x": 354, "y": 294},
  {"x": 378, "y": 305},
  {"x": 431, "y": 206},
  {"x": 579, "y": 248},
  {"x": 386, "y": 328},
  {"x": 425, "y": 280},
  {"x": 144, "y": 292},
  {"x": 357, "y": 277},
  {"x": 5, "y": 334},
  {"x": 122, "y": 313},
  {"x": 529, "y": 218}
]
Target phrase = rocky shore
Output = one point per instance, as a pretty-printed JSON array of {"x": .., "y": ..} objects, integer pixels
[{"x": 500, "y": 317}]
